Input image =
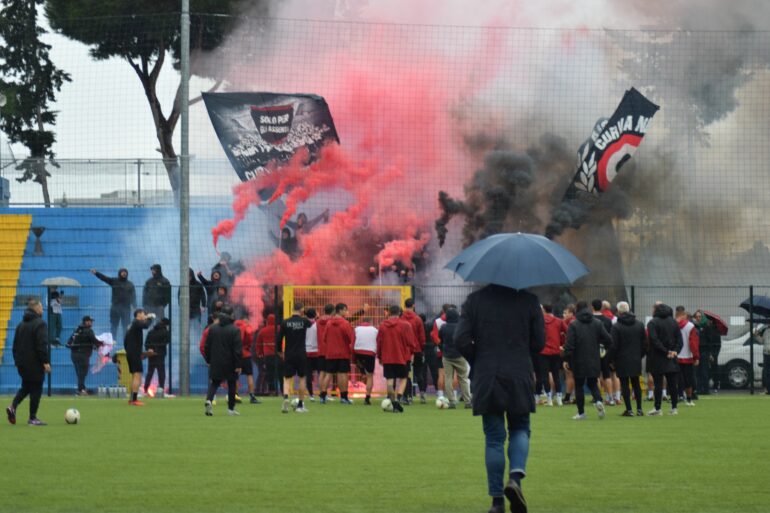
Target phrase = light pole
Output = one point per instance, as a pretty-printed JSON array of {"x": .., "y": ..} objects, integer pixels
[{"x": 3, "y": 101}]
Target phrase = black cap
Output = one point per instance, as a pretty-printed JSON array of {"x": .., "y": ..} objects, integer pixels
[{"x": 87, "y": 318}]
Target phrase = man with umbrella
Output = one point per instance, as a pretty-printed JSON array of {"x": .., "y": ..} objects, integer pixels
[
  {"x": 710, "y": 345},
  {"x": 500, "y": 327}
]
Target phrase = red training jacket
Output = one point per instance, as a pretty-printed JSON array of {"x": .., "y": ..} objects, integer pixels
[
  {"x": 418, "y": 328},
  {"x": 555, "y": 331},
  {"x": 339, "y": 339},
  {"x": 266, "y": 338},
  {"x": 393, "y": 341},
  {"x": 247, "y": 336}
]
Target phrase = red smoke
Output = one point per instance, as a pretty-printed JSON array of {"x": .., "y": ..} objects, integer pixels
[{"x": 400, "y": 125}]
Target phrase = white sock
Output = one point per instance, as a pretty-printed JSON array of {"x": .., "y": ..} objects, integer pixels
[
  {"x": 550, "y": 395},
  {"x": 665, "y": 394},
  {"x": 440, "y": 393}
]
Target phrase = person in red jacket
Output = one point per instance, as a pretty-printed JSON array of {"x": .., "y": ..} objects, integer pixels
[
  {"x": 339, "y": 339},
  {"x": 549, "y": 359},
  {"x": 247, "y": 339},
  {"x": 265, "y": 347},
  {"x": 416, "y": 359},
  {"x": 323, "y": 376},
  {"x": 689, "y": 357},
  {"x": 568, "y": 315},
  {"x": 394, "y": 340}
]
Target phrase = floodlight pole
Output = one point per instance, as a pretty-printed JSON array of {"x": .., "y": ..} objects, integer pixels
[{"x": 184, "y": 207}]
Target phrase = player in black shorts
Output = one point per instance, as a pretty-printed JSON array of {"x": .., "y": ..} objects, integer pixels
[
  {"x": 133, "y": 342},
  {"x": 293, "y": 332},
  {"x": 394, "y": 340}
]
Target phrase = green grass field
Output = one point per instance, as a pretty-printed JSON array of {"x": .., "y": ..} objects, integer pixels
[{"x": 169, "y": 457}]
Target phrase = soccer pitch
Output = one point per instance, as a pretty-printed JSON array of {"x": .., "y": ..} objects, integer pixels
[{"x": 169, "y": 457}]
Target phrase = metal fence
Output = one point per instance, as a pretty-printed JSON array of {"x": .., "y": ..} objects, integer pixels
[{"x": 738, "y": 361}]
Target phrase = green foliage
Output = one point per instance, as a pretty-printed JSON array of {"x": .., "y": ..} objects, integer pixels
[
  {"x": 168, "y": 457},
  {"x": 30, "y": 81}
]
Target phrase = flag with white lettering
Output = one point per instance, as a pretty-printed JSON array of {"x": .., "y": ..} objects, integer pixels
[
  {"x": 257, "y": 128},
  {"x": 612, "y": 143}
]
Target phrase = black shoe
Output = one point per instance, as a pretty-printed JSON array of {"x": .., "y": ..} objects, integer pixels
[
  {"x": 367, "y": 401},
  {"x": 397, "y": 408},
  {"x": 496, "y": 509},
  {"x": 639, "y": 413},
  {"x": 513, "y": 492},
  {"x": 627, "y": 413}
]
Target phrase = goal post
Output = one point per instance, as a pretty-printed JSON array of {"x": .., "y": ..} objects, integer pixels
[{"x": 365, "y": 303}]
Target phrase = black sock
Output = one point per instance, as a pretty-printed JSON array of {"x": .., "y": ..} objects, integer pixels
[
  {"x": 322, "y": 395},
  {"x": 285, "y": 396},
  {"x": 368, "y": 397},
  {"x": 344, "y": 395},
  {"x": 567, "y": 397},
  {"x": 134, "y": 396},
  {"x": 498, "y": 501},
  {"x": 517, "y": 477},
  {"x": 300, "y": 404}
]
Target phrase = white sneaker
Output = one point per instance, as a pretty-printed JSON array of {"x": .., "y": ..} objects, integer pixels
[
  {"x": 312, "y": 398},
  {"x": 285, "y": 406},
  {"x": 579, "y": 416},
  {"x": 673, "y": 411},
  {"x": 559, "y": 402},
  {"x": 233, "y": 413},
  {"x": 209, "y": 409},
  {"x": 690, "y": 403},
  {"x": 549, "y": 401},
  {"x": 302, "y": 410},
  {"x": 653, "y": 413},
  {"x": 599, "y": 409}
]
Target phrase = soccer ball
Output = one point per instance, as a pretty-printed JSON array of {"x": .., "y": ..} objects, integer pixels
[
  {"x": 72, "y": 416},
  {"x": 442, "y": 403},
  {"x": 386, "y": 405},
  {"x": 294, "y": 403}
]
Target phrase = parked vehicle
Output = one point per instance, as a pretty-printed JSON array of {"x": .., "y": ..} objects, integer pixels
[{"x": 734, "y": 359}]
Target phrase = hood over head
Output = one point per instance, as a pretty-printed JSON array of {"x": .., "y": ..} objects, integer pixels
[
  {"x": 452, "y": 315},
  {"x": 120, "y": 271},
  {"x": 271, "y": 320},
  {"x": 585, "y": 316},
  {"x": 627, "y": 318},
  {"x": 663, "y": 311},
  {"x": 157, "y": 269}
]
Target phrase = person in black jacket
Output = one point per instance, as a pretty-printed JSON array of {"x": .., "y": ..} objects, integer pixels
[
  {"x": 210, "y": 286},
  {"x": 123, "y": 300},
  {"x": 596, "y": 307},
  {"x": 30, "y": 354},
  {"x": 82, "y": 344},
  {"x": 664, "y": 346},
  {"x": 133, "y": 345},
  {"x": 157, "y": 292},
  {"x": 453, "y": 361},
  {"x": 499, "y": 329},
  {"x": 710, "y": 345},
  {"x": 581, "y": 356},
  {"x": 223, "y": 352},
  {"x": 158, "y": 339},
  {"x": 629, "y": 340}
]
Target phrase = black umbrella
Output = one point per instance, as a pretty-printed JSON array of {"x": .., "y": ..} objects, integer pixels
[{"x": 761, "y": 306}]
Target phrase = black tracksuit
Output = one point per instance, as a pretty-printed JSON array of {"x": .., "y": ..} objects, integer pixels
[
  {"x": 30, "y": 354},
  {"x": 123, "y": 300},
  {"x": 158, "y": 339},
  {"x": 82, "y": 344}
]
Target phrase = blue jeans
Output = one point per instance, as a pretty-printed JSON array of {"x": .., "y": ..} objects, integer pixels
[{"x": 494, "y": 455}]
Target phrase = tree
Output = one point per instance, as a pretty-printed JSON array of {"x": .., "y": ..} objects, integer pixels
[
  {"x": 145, "y": 33},
  {"x": 30, "y": 81}
]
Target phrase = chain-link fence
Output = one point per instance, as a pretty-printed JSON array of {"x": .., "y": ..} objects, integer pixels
[{"x": 735, "y": 361}]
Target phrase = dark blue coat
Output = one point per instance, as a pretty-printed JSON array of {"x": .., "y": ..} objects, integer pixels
[{"x": 499, "y": 329}]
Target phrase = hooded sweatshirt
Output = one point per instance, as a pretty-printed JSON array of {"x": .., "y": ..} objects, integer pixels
[
  {"x": 555, "y": 334},
  {"x": 157, "y": 290},
  {"x": 123, "y": 291},
  {"x": 394, "y": 341},
  {"x": 266, "y": 338},
  {"x": 339, "y": 338},
  {"x": 418, "y": 328},
  {"x": 247, "y": 336},
  {"x": 30, "y": 346},
  {"x": 321, "y": 324},
  {"x": 447, "y": 335}
]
